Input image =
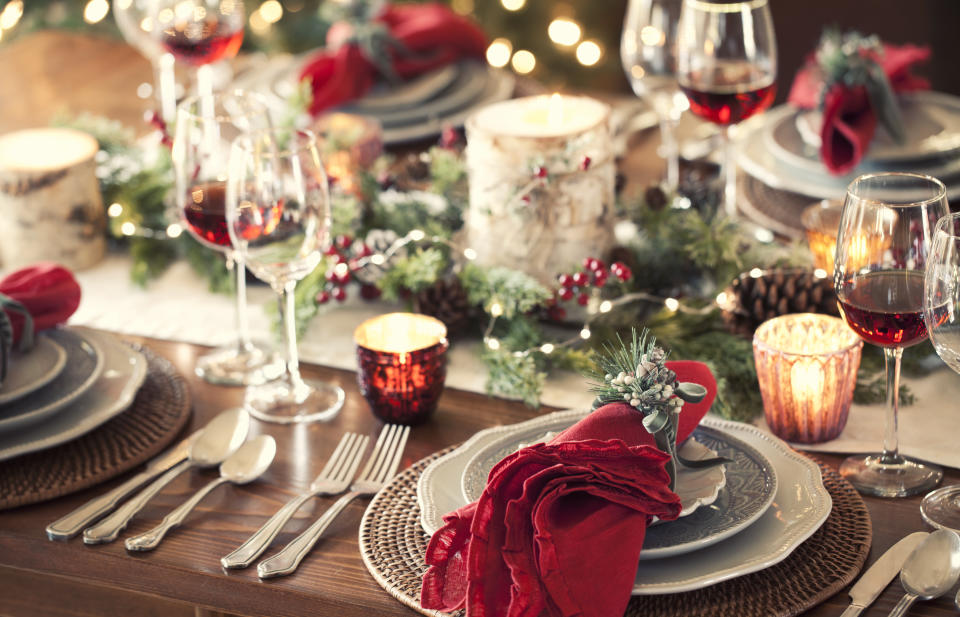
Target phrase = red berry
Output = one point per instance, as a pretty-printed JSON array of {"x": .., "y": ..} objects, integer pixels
[
  {"x": 581, "y": 279},
  {"x": 566, "y": 294},
  {"x": 540, "y": 171},
  {"x": 339, "y": 294},
  {"x": 565, "y": 280},
  {"x": 369, "y": 292},
  {"x": 364, "y": 251},
  {"x": 331, "y": 276},
  {"x": 600, "y": 278},
  {"x": 331, "y": 251},
  {"x": 557, "y": 313},
  {"x": 582, "y": 299},
  {"x": 591, "y": 263},
  {"x": 621, "y": 271},
  {"x": 343, "y": 242},
  {"x": 323, "y": 297},
  {"x": 585, "y": 163},
  {"x": 525, "y": 199},
  {"x": 342, "y": 278}
]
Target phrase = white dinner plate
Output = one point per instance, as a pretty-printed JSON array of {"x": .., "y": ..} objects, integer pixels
[
  {"x": 32, "y": 369},
  {"x": 800, "y": 506},
  {"x": 124, "y": 370},
  {"x": 83, "y": 366}
]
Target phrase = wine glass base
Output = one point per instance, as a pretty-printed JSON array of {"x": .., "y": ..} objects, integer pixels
[
  {"x": 283, "y": 403},
  {"x": 232, "y": 365},
  {"x": 869, "y": 474},
  {"x": 941, "y": 508}
]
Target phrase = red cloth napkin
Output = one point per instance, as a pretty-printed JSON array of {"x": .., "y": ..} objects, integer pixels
[
  {"x": 427, "y": 36},
  {"x": 849, "y": 120},
  {"x": 47, "y": 290},
  {"x": 560, "y": 526}
]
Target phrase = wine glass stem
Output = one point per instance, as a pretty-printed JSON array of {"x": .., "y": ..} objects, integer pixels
[
  {"x": 670, "y": 149},
  {"x": 891, "y": 454},
  {"x": 205, "y": 88},
  {"x": 235, "y": 260},
  {"x": 729, "y": 173},
  {"x": 288, "y": 310},
  {"x": 166, "y": 84}
]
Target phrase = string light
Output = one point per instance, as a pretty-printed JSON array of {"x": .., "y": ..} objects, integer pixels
[
  {"x": 498, "y": 53},
  {"x": 564, "y": 31},
  {"x": 523, "y": 61},
  {"x": 11, "y": 14},
  {"x": 115, "y": 210},
  {"x": 672, "y": 304},
  {"x": 513, "y": 5},
  {"x": 271, "y": 11},
  {"x": 589, "y": 53}
]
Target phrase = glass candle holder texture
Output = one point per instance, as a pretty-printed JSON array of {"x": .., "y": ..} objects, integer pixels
[
  {"x": 821, "y": 221},
  {"x": 402, "y": 365},
  {"x": 807, "y": 368}
]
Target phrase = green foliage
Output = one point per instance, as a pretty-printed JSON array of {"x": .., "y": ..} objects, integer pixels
[
  {"x": 413, "y": 273},
  {"x": 513, "y": 376},
  {"x": 513, "y": 291}
]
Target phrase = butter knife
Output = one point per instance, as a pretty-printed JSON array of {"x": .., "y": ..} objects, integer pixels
[
  {"x": 879, "y": 575},
  {"x": 70, "y": 525}
]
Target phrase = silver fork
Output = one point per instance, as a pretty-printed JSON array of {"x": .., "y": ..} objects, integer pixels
[
  {"x": 380, "y": 467},
  {"x": 333, "y": 480}
]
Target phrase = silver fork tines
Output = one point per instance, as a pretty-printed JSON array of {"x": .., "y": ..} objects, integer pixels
[
  {"x": 332, "y": 480},
  {"x": 380, "y": 467}
]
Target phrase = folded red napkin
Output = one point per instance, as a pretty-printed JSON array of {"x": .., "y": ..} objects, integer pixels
[
  {"x": 47, "y": 291},
  {"x": 419, "y": 38},
  {"x": 849, "y": 116},
  {"x": 560, "y": 526}
]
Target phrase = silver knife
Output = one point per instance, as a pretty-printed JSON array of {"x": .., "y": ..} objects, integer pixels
[
  {"x": 879, "y": 575},
  {"x": 70, "y": 525}
]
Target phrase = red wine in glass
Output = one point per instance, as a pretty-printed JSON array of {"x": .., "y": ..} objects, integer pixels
[
  {"x": 885, "y": 307},
  {"x": 205, "y": 213},
  {"x": 203, "y": 42},
  {"x": 728, "y": 94}
]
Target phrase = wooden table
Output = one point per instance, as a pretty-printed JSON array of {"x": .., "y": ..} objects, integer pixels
[{"x": 183, "y": 576}]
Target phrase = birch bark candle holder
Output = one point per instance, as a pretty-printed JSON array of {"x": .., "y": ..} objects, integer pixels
[
  {"x": 541, "y": 175},
  {"x": 50, "y": 201},
  {"x": 807, "y": 368}
]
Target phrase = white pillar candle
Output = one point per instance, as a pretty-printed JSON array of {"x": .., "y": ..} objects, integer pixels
[
  {"x": 542, "y": 176},
  {"x": 50, "y": 199}
]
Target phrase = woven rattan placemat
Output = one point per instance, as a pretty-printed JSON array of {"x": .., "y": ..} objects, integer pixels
[
  {"x": 157, "y": 414},
  {"x": 775, "y": 209},
  {"x": 392, "y": 545}
]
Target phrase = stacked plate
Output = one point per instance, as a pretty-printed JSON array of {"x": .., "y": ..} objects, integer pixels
[
  {"x": 780, "y": 149},
  {"x": 413, "y": 110},
  {"x": 748, "y": 515},
  {"x": 72, "y": 381}
]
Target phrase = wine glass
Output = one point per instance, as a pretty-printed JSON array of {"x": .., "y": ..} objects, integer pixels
[
  {"x": 648, "y": 48},
  {"x": 199, "y": 33},
  {"x": 136, "y": 23},
  {"x": 882, "y": 248},
  {"x": 727, "y": 67},
  {"x": 941, "y": 311},
  {"x": 201, "y": 149},
  {"x": 278, "y": 218}
]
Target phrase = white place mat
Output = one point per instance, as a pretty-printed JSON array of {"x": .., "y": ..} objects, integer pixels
[{"x": 178, "y": 306}]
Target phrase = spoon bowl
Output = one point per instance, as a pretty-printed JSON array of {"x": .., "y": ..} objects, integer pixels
[
  {"x": 220, "y": 438},
  {"x": 930, "y": 570},
  {"x": 250, "y": 461}
]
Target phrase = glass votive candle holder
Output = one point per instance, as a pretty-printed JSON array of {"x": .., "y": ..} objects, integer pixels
[
  {"x": 402, "y": 365},
  {"x": 807, "y": 367},
  {"x": 821, "y": 222}
]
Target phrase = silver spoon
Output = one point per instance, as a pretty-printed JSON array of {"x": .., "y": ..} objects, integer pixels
[
  {"x": 244, "y": 465},
  {"x": 930, "y": 570},
  {"x": 218, "y": 440}
]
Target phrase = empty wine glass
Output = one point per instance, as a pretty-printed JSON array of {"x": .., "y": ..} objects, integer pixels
[
  {"x": 941, "y": 311},
  {"x": 201, "y": 149},
  {"x": 278, "y": 218},
  {"x": 648, "y": 48},
  {"x": 199, "y": 33},
  {"x": 727, "y": 67},
  {"x": 882, "y": 249}
]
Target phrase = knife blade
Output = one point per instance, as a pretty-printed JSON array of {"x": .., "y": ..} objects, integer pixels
[{"x": 879, "y": 575}]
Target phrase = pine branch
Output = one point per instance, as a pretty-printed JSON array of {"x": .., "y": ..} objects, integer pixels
[
  {"x": 413, "y": 273},
  {"x": 513, "y": 291}
]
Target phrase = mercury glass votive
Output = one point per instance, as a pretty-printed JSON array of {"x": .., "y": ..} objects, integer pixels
[
  {"x": 821, "y": 221},
  {"x": 402, "y": 365},
  {"x": 807, "y": 367}
]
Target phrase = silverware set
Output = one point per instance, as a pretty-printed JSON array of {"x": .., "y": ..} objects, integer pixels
[{"x": 224, "y": 442}]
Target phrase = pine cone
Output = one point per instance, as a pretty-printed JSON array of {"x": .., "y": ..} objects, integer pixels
[
  {"x": 413, "y": 173},
  {"x": 447, "y": 301},
  {"x": 755, "y": 299}
]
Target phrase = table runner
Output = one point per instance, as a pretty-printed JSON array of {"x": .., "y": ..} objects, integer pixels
[
  {"x": 156, "y": 416},
  {"x": 392, "y": 545}
]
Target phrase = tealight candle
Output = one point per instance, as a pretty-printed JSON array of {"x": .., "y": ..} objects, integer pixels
[
  {"x": 402, "y": 358},
  {"x": 807, "y": 368},
  {"x": 542, "y": 176},
  {"x": 821, "y": 221},
  {"x": 349, "y": 143}
]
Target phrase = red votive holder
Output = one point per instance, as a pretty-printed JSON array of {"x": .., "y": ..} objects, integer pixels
[{"x": 402, "y": 361}]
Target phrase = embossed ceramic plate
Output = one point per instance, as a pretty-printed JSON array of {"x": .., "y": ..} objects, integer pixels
[
  {"x": 32, "y": 370},
  {"x": 800, "y": 506},
  {"x": 753, "y": 484},
  {"x": 696, "y": 487},
  {"x": 124, "y": 370},
  {"x": 83, "y": 366}
]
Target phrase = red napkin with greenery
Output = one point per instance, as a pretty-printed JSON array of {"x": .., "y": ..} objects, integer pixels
[
  {"x": 560, "y": 526},
  {"x": 400, "y": 42},
  {"x": 854, "y": 80},
  {"x": 38, "y": 297}
]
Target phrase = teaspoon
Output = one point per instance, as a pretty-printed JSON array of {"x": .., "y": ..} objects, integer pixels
[{"x": 930, "y": 570}]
